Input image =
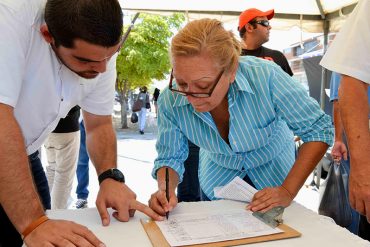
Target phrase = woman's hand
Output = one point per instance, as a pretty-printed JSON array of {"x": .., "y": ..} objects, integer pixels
[
  {"x": 159, "y": 204},
  {"x": 269, "y": 198},
  {"x": 158, "y": 200}
]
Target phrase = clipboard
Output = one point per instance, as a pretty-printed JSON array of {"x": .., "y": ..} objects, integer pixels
[{"x": 157, "y": 239}]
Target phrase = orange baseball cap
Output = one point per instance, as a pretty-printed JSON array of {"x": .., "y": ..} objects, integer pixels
[{"x": 250, "y": 14}]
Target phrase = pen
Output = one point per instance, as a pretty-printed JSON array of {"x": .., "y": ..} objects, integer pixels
[{"x": 167, "y": 189}]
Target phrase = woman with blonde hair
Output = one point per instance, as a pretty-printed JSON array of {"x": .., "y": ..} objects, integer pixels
[{"x": 241, "y": 112}]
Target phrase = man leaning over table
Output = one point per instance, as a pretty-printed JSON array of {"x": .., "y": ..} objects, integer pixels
[
  {"x": 56, "y": 54},
  {"x": 348, "y": 55}
]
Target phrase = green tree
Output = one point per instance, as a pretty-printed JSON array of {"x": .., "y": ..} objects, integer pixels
[{"x": 144, "y": 55}]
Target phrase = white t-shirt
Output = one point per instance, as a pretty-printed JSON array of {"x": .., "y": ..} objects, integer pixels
[
  {"x": 35, "y": 83},
  {"x": 349, "y": 52}
]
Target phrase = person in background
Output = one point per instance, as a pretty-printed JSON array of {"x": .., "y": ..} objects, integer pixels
[
  {"x": 254, "y": 30},
  {"x": 57, "y": 54},
  {"x": 348, "y": 56},
  {"x": 155, "y": 99},
  {"x": 238, "y": 111},
  {"x": 144, "y": 97},
  {"x": 82, "y": 171},
  {"x": 61, "y": 151}
]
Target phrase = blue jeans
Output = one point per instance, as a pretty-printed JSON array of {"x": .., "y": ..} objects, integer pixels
[
  {"x": 8, "y": 234},
  {"x": 189, "y": 190},
  {"x": 82, "y": 167}
]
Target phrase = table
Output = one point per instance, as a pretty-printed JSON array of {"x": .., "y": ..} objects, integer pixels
[{"x": 316, "y": 230}]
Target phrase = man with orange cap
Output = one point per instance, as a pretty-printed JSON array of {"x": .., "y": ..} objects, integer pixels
[{"x": 254, "y": 29}]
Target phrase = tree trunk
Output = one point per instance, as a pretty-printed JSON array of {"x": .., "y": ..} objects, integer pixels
[
  {"x": 122, "y": 89},
  {"x": 123, "y": 112}
]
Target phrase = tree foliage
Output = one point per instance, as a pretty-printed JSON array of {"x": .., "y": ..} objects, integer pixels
[{"x": 144, "y": 55}]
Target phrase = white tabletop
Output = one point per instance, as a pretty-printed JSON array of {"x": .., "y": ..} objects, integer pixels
[{"x": 316, "y": 230}]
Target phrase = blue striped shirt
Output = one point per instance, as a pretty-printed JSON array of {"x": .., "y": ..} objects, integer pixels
[{"x": 265, "y": 105}]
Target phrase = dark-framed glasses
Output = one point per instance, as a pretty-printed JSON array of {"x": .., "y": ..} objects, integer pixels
[
  {"x": 264, "y": 23},
  {"x": 195, "y": 94}
]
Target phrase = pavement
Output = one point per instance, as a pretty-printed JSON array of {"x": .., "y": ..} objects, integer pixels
[{"x": 136, "y": 154}]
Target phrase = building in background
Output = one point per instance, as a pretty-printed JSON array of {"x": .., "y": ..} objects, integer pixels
[
  {"x": 298, "y": 52},
  {"x": 304, "y": 58}
]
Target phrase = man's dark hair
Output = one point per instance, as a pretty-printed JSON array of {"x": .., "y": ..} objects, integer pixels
[
  {"x": 97, "y": 22},
  {"x": 242, "y": 31}
]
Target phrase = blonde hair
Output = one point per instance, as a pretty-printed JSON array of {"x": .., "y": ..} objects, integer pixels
[{"x": 207, "y": 36}]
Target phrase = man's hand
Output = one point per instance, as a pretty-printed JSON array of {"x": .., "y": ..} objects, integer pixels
[
  {"x": 62, "y": 233},
  {"x": 117, "y": 195},
  {"x": 269, "y": 198},
  {"x": 359, "y": 190},
  {"x": 339, "y": 151}
]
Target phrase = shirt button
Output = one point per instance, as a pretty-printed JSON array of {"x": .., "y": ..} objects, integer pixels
[{"x": 234, "y": 142}]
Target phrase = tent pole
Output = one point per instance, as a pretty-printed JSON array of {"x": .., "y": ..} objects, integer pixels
[
  {"x": 324, "y": 71},
  {"x": 125, "y": 36}
]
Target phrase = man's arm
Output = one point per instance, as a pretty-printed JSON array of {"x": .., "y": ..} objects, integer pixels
[
  {"x": 102, "y": 146},
  {"x": 101, "y": 141},
  {"x": 339, "y": 149},
  {"x": 18, "y": 195},
  {"x": 354, "y": 111}
]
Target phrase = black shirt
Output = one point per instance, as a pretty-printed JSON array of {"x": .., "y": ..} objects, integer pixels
[
  {"x": 272, "y": 55},
  {"x": 70, "y": 123},
  {"x": 156, "y": 94}
]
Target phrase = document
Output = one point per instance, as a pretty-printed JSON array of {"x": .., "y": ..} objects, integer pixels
[
  {"x": 237, "y": 190},
  {"x": 208, "y": 227}
]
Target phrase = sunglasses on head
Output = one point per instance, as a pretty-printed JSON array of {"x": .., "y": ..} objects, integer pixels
[{"x": 264, "y": 23}]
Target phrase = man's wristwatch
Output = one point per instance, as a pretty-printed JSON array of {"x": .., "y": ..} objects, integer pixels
[{"x": 112, "y": 173}]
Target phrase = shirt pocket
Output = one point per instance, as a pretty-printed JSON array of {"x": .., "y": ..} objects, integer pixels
[{"x": 256, "y": 138}]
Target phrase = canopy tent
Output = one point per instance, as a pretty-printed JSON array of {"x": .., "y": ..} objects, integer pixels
[
  {"x": 315, "y": 16},
  {"x": 309, "y": 15}
]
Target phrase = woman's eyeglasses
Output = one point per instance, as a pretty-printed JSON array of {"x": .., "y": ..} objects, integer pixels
[
  {"x": 264, "y": 23},
  {"x": 195, "y": 94}
]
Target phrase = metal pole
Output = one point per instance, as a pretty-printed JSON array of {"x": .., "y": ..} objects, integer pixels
[
  {"x": 125, "y": 36},
  {"x": 324, "y": 71}
]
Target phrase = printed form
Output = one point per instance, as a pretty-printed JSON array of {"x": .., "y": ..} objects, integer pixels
[
  {"x": 207, "y": 227},
  {"x": 189, "y": 229}
]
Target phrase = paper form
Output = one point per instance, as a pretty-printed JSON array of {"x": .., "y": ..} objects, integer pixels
[
  {"x": 189, "y": 229},
  {"x": 237, "y": 190}
]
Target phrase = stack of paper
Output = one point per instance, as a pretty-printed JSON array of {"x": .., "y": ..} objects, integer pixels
[{"x": 237, "y": 190}]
